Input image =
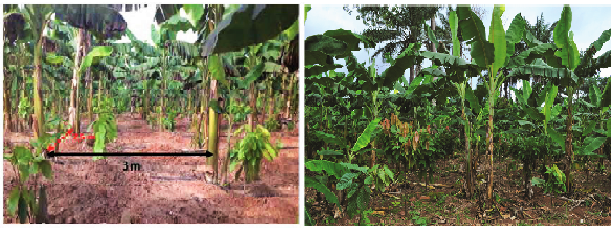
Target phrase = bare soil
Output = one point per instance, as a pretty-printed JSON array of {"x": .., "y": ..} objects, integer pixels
[
  {"x": 409, "y": 202},
  {"x": 166, "y": 189}
]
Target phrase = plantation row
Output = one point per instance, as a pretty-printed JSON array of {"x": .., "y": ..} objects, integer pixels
[
  {"x": 64, "y": 63},
  {"x": 366, "y": 131}
]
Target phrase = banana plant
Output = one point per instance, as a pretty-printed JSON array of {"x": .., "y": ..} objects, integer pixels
[
  {"x": 566, "y": 68},
  {"x": 101, "y": 20},
  {"x": 489, "y": 53},
  {"x": 36, "y": 16}
]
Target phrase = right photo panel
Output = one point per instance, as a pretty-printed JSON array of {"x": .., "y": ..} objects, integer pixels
[{"x": 457, "y": 115}]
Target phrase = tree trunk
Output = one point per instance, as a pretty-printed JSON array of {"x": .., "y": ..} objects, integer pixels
[
  {"x": 90, "y": 98},
  {"x": 73, "y": 110},
  {"x": 189, "y": 104},
  {"x": 39, "y": 126},
  {"x": 433, "y": 25},
  {"x": 527, "y": 187},
  {"x": 490, "y": 151},
  {"x": 569, "y": 141},
  {"x": 253, "y": 117},
  {"x": 290, "y": 95},
  {"x": 147, "y": 99},
  {"x": 469, "y": 171},
  {"x": 7, "y": 107},
  {"x": 214, "y": 117},
  {"x": 213, "y": 132},
  {"x": 412, "y": 70},
  {"x": 161, "y": 114},
  {"x": 204, "y": 109},
  {"x": 18, "y": 125},
  {"x": 271, "y": 99}
]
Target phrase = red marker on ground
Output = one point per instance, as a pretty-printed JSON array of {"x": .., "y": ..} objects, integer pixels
[{"x": 75, "y": 136}]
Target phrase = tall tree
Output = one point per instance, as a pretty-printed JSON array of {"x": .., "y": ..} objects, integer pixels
[
  {"x": 400, "y": 26},
  {"x": 541, "y": 31}
]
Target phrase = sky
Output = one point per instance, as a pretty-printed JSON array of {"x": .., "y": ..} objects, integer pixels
[
  {"x": 139, "y": 22},
  {"x": 588, "y": 22}
]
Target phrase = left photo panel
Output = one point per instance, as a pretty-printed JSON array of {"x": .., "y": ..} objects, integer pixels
[{"x": 151, "y": 114}]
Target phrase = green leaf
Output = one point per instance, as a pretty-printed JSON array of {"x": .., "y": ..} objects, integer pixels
[
  {"x": 591, "y": 144},
  {"x": 307, "y": 8},
  {"x": 330, "y": 152},
  {"x": 329, "y": 167},
  {"x": 54, "y": 59},
  {"x": 40, "y": 206},
  {"x": 595, "y": 95},
  {"x": 194, "y": 12},
  {"x": 430, "y": 33},
  {"x": 524, "y": 122},
  {"x": 563, "y": 38},
  {"x": 473, "y": 31},
  {"x": 268, "y": 20},
  {"x": 590, "y": 127},
  {"x": 537, "y": 181},
  {"x": 404, "y": 61},
  {"x": 271, "y": 151},
  {"x": 218, "y": 72},
  {"x": 556, "y": 137},
  {"x": 364, "y": 138},
  {"x": 155, "y": 34},
  {"x": 472, "y": 99},
  {"x": 381, "y": 174},
  {"x": 310, "y": 182},
  {"x": 355, "y": 167},
  {"x": 527, "y": 89},
  {"x": 251, "y": 76},
  {"x": 330, "y": 138},
  {"x": 389, "y": 172},
  {"x": 31, "y": 200},
  {"x": 363, "y": 198},
  {"x": 24, "y": 172},
  {"x": 453, "y": 23},
  {"x": 23, "y": 155},
  {"x": 33, "y": 168},
  {"x": 516, "y": 30},
  {"x": 605, "y": 101},
  {"x": 609, "y": 125},
  {"x": 346, "y": 181},
  {"x": 308, "y": 221},
  {"x": 497, "y": 37},
  {"x": 11, "y": 203},
  {"x": 534, "y": 113},
  {"x": 351, "y": 39},
  {"x": 22, "y": 209},
  {"x": 352, "y": 189},
  {"x": 368, "y": 180},
  {"x": 604, "y": 37},
  {"x": 45, "y": 168},
  {"x": 98, "y": 51},
  {"x": 176, "y": 23},
  {"x": 319, "y": 49},
  {"x": 551, "y": 95},
  {"x": 99, "y": 143}
]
